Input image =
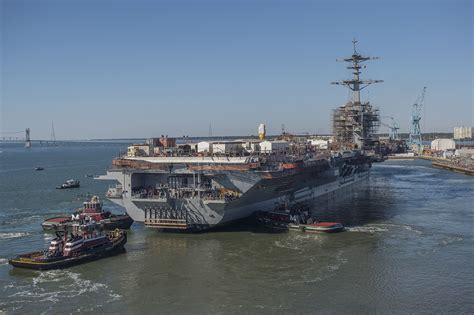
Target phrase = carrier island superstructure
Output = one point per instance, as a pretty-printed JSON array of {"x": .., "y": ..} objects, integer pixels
[{"x": 192, "y": 187}]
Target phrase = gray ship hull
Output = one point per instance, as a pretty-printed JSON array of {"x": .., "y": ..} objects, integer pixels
[{"x": 196, "y": 213}]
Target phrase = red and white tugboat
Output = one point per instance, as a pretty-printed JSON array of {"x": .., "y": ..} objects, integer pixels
[
  {"x": 296, "y": 218},
  {"x": 92, "y": 209},
  {"x": 84, "y": 244}
]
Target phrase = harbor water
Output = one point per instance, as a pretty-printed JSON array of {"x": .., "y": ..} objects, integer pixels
[{"x": 409, "y": 248}]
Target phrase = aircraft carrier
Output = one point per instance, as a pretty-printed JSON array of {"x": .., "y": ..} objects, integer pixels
[{"x": 195, "y": 187}]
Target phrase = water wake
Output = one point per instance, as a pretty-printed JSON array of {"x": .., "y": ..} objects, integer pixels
[
  {"x": 296, "y": 240},
  {"x": 13, "y": 235},
  {"x": 366, "y": 229},
  {"x": 58, "y": 286},
  {"x": 382, "y": 227},
  {"x": 401, "y": 166}
]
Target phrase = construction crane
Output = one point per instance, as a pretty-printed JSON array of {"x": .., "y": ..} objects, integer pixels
[
  {"x": 415, "y": 131},
  {"x": 394, "y": 127}
]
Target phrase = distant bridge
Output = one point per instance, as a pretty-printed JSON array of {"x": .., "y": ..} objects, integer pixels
[{"x": 24, "y": 136}]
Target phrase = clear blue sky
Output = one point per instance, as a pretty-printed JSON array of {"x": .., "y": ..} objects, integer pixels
[{"x": 110, "y": 69}]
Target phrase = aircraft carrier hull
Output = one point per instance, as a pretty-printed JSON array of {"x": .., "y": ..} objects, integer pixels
[{"x": 260, "y": 191}]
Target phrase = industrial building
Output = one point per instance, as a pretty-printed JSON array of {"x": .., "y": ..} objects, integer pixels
[
  {"x": 204, "y": 146},
  {"x": 138, "y": 150},
  {"x": 227, "y": 147},
  {"x": 321, "y": 144},
  {"x": 462, "y": 132},
  {"x": 443, "y": 144},
  {"x": 274, "y": 146},
  {"x": 252, "y": 146},
  {"x": 152, "y": 146},
  {"x": 465, "y": 152},
  {"x": 222, "y": 147}
]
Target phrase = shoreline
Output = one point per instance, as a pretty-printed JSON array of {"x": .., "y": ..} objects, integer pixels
[{"x": 447, "y": 165}]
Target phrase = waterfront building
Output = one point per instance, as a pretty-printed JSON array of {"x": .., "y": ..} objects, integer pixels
[
  {"x": 273, "y": 146},
  {"x": 462, "y": 132},
  {"x": 443, "y": 144}
]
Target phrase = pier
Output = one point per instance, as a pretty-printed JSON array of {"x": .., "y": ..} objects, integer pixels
[{"x": 452, "y": 165}]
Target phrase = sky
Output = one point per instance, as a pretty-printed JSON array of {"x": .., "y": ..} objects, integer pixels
[{"x": 130, "y": 69}]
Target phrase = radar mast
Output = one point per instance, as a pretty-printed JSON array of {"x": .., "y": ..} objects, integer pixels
[{"x": 355, "y": 122}]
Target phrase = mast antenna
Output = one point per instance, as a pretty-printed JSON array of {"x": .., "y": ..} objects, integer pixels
[{"x": 355, "y": 122}]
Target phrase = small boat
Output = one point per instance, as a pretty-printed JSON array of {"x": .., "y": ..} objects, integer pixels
[
  {"x": 83, "y": 245},
  {"x": 39, "y": 168},
  {"x": 89, "y": 175},
  {"x": 296, "y": 219},
  {"x": 70, "y": 183},
  {"x": 92, "y": 208}
]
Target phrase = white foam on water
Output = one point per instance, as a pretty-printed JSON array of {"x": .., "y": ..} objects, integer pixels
[
  {"x": 382, "y": 227},
  {"x": 296, "y": 240},
  {"x": 23, "y": 220},
  {"x": 10, "y": 235},
  {"x": 417, "y": 175},
  {"x": 305, "y": 236},
  {"x": 406, "y": 227},
  {"x": 286, "y": 245},
  {"x": 317, "y": 272},
  {"x": 340, "y": 260},
  {"x": 389, "y": 166},
  {"x": 366, "y": 229},
  {"x": 412, "y": 229},
  {"x": 48, "y": 237},
  {"x": 450, "y": 239},
  {"x": 115, "y": 296},
  {"x": 3, "y": 261},
  {"x": 400, "y": 166},
  {"x": 457, "y": 180},
  {"x": 51, "y": 287},
  {"x": 311, "y": 280},
  {"x": 442, "y": 244}
]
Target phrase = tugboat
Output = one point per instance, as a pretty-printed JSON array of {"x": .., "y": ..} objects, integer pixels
[
  {"x": 92, "y": 209},
  {"x": 83, "y": 245},
  {"x": 39, "y": 168},
  {"x": 296, "y": 218},
  {"x": 70, "y": 183}
]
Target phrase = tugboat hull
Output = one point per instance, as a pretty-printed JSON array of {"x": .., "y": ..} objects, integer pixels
[
  {"x": 35, "y": 261},
  {"x": 67, "y": 187},
  {"x": 71, "y": 183},
  {"x": 283, "y": 222}
]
